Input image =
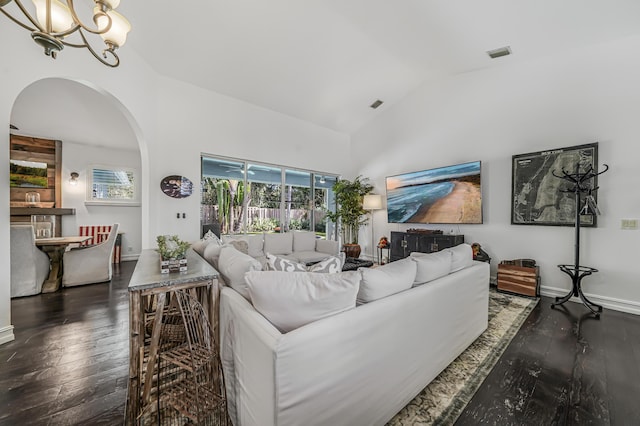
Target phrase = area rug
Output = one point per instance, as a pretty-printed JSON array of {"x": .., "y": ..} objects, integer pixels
[{"x": 442, "y": 401}]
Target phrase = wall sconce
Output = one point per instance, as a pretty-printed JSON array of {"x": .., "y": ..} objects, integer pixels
[{"x": 73, "y": 180}]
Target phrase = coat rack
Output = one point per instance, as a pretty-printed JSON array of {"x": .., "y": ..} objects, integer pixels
[{"x": 581, "y": 184}]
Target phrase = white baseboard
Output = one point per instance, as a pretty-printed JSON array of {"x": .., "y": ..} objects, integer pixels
[
  {"x": 6, "y": 334},
  {"x": 607, "y": 302},
  {"x": 129, "y": 257}
]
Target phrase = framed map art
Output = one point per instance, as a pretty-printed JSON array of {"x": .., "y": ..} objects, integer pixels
[{"x": 538, "y": 197}]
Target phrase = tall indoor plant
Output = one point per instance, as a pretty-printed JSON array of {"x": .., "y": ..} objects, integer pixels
[{"x": 349, "y": 212}]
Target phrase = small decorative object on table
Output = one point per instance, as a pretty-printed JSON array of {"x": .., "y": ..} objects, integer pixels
[
  {"x": 173, "y": 253},
  {"x": 479, "y": 254},
  {"x": 383, "y": 243}
]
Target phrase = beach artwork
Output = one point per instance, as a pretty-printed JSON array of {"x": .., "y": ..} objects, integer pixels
[{"x": 449, "y": 194}]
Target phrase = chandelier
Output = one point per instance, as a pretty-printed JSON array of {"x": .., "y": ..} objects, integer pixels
[{"x": 56, "y": 22}]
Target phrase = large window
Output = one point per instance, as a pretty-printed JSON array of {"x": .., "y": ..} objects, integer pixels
[
  {"x": 112, "y": 185},
  {"x": 240, "y": 196}
]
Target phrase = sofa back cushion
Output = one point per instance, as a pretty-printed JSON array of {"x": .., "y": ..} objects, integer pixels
[
  {"x": 277, "y": 243},
  {"x": 254, "y": 243},
  {"x": 211, "y": 254},
  {"x": 208, "y": 238},
  {"x": 386, "y": 280},
  {"x": 327, "y": 246},
  {"x": 431, "y": 266},
  {"x": 232, "y": 265},
  {"x": 292, "y": 299},
  {"x": 304, "y": 241},
  {"x": 461, "y": 257}
]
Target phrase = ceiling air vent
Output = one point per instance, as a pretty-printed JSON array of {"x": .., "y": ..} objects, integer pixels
[
  {"x": 376, "y": 104},
  {"x": 502, "y": 51}
]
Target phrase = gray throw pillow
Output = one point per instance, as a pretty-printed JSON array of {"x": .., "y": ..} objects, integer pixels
[
  {"x": 330, "y": 265},
  {"x": 275, "y": 263}
]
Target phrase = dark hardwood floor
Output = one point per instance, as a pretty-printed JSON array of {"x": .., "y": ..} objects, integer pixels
[
  {"x": 564, "y": 368},
  {"x": 70, "y": 360},
  {"x": 69, "y": 364}
]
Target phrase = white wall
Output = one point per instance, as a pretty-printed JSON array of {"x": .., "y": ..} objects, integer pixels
[
  {"x": 569, "y": 99},
  {"x": 173, "y": 123},
  {"x": 192, "y": 121},
  {"x": 78, "y": 158}
]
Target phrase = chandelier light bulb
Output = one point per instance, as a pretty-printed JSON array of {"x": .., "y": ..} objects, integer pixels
[
  {"x": 120, "y": 27},
  {"x": 61, "y": 19}
]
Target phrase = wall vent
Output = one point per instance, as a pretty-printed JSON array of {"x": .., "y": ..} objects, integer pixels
[
  {"x": 502, "y": 51},
  {"x": 376, "y": 104}
]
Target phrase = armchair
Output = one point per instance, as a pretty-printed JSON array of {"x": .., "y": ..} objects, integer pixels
[
  {"x": 29, "y": 265},
  {"x": 91, "y": 264}
]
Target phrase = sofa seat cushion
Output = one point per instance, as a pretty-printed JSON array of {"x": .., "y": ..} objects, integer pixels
[
  {"x": 386, "y": 280},
  {"x": 277, "y": 243},
  {"x": 431, "y": 266},
  {"x": 292, "y": 299},
  {"x": 307, "y": 257},
  {"x": 233, "y": 265}
]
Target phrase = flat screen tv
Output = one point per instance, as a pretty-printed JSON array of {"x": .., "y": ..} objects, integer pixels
[{"x": 448, "y": 195}]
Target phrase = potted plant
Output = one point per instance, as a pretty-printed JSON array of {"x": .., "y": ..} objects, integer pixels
[
  {"x": 173, "y": 253},
  {"x": 349, "y": 212}
]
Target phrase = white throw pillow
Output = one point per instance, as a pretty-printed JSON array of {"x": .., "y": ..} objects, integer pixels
[
  {"x": 275, "y": 263},
  {"x": 232, "y": 265},
  {"x": 431, "y": 266},
  {"x": 254, "y": 242},
  {"x": 461, "y": 257},
  {"x": 386, "y": 280},
  {"x": 292, "y": 299},
  {"x": 330, "y": 265},
  {"x": 278, "y": 243},
  {"x": 304, "y": 241}
]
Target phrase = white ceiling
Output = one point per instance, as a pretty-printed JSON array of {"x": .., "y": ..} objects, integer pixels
[
  {"x": 323, "y": 61},
  {"x": 326, "y": 61}
]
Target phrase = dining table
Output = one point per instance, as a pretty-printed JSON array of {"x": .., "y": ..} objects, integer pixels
[{"x": 55, "y": 248}]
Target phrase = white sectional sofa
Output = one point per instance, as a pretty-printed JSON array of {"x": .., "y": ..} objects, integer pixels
[
  {"x": 359, "y": 366},
  {"x": 300, "y": 246}
]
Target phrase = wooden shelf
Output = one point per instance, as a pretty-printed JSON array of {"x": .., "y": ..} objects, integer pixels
[{"x": 28, "y": 211}]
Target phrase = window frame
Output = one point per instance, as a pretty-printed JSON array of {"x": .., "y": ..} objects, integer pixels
[{"x": 90, "y": 201}]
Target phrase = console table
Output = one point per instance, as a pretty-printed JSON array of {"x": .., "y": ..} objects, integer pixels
[{"x": 149, "y": 291}]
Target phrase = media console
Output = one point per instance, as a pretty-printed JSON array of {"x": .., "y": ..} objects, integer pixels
[{"x": 404, "y": 243}]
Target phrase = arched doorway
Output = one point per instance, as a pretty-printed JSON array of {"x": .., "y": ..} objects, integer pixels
[{"x": 95, "y": 130}]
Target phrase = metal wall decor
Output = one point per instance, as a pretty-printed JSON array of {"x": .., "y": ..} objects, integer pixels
[
  {"x": 175, "y": 186},
  {"x": 540, "y": 198}
]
